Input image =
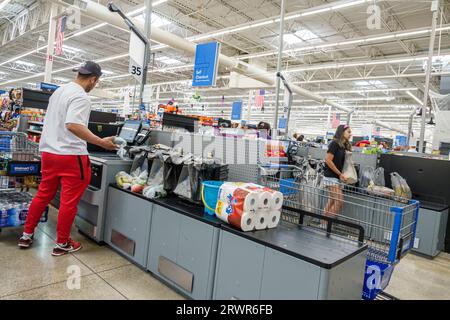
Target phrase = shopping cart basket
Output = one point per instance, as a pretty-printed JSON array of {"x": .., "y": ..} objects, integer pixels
[
  {"x": 389, "y": 222},
  {"x": 20, "y": 169}
]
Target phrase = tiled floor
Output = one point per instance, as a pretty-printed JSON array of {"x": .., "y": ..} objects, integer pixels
[{"x": 104, "y": 274}]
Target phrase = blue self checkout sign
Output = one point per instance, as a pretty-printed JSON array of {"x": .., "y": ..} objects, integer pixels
[
  {"x": 236, "y": 110},
  {"x": 206, "y": 64}
]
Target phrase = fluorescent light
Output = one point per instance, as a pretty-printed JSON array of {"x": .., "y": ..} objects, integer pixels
[
  {"x": 142, "y": 9},
  {"x": 3, "y": 4},
  {"x": 368, "y": 83},
  {"x": 107, "y": 71},
  {"x": 62, "y": 79},
  {"x": 72, "y": 49},
  {"x": 168, "y": 60},
  {"x": 157, "y": 21},
  {"x": 87, "y": 30},
  {"x": 349, "y": 4},
  {"x": 291, "y": 38},
  {"x": 25, "y": 63},
  {"x": 112, "y": 58},
  {"x": 315, "y": 11}
]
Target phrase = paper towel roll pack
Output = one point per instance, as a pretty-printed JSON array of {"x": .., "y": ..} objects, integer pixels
[{"x": 248, "y": 206}]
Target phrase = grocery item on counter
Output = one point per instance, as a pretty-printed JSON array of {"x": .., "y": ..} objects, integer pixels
[
  {"x": 124, "y": 180},
  {"x": 246, "y": 205},
  {"x": 380, "y": 190},
  {"x": 262, "y": 217},
  {"x": 274, "y": 218},
  {"x": 153, "y": 192}
]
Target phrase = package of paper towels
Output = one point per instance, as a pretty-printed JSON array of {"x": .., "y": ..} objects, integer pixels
[{"x": 248, "y": 206}]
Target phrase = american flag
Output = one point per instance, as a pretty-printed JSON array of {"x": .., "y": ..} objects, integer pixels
[
  {"x": 336, "y": 121},
  {"x": 60, "y": 35},
  {"x": 259, "y": 98}
]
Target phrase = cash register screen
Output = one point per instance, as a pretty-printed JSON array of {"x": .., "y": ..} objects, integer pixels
[{"x": 130, "y": 130}]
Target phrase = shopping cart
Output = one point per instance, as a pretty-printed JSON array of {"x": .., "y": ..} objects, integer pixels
[
  {"x": 20, "y": 169},
  {"x": 389, "y": 222}
]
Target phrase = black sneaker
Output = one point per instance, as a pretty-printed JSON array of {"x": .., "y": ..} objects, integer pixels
[
  {"x": 25, "y": 242},
  {"x": 68, "y": 247}
]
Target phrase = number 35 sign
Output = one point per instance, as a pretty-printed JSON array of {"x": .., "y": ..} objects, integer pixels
[{"x": 137, "y": 57}]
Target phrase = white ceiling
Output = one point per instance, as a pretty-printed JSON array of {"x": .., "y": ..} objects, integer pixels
[{"x": 344, "y": 72}]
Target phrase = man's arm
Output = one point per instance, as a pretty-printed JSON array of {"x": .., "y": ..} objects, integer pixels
[{"x": 85, "y": 134}]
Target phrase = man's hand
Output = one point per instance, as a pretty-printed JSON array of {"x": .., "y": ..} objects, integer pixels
[
  {"x": 108, "y": 143},
  {"x": 85, "y": 134}
]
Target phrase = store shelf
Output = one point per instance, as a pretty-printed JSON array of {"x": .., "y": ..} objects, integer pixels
[
  {"x": 36, "y": 122},
  {"x": 34, "y": 131}
]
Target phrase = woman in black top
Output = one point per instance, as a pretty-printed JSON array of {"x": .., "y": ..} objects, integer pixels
[{"x": 333, "y": 176}]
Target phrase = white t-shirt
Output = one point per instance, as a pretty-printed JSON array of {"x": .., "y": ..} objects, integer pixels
[{"x": 68, "y": 104}]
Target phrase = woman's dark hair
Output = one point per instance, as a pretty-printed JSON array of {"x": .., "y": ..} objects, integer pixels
[
  {"x": 339, "y": 137},
  {"x": 300, "y": 137},
  {"x": 263, "y": 125}
]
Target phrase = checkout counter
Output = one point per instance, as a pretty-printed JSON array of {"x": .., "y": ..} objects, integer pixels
[{"x": 203, "y": 258}]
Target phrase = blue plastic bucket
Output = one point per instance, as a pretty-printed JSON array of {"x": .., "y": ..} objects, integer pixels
[{"x": 210, "y": 193}]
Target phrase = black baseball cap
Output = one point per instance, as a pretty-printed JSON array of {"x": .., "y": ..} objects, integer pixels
[{"x": 89, "y": 67}]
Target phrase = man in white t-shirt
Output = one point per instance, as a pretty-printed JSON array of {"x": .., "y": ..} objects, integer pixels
[{"x": 65, "y": 159}]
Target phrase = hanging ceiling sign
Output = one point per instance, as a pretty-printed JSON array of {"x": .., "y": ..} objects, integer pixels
[
  {"x": 206, "y": 64},
  {"x": 236, "y": 110},
  {"x": 137, "y": 57}
]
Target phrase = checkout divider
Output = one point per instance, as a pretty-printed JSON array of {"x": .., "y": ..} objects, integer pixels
[{"x": 203, "y": 258}]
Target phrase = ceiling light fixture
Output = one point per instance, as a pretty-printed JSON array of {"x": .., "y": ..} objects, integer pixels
[{"x": 3, "y": 4}]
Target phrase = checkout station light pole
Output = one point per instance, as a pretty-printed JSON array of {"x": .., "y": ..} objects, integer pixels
[{"x": 139, "y": 48}]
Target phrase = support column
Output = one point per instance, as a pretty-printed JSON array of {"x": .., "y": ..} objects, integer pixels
[
  {"x": 249, "y": 106},
  {"x": 280, "y": 54},
  {"x": 434, "y": 8},
  {"x": 147, "y": 33},
  {"x": 50, "y": 43}
]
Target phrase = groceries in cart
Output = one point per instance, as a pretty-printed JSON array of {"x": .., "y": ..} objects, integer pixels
[
  {"x": 14, "y": 208},
  {"x": 249, "y": 206},
  {"x": 400, "y": 186}
]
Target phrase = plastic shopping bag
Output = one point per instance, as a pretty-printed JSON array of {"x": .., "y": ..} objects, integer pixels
[
  {"x": 366, "y": 175},
  {"x": 183, "y": 187},
  {"x": 400, "y": 186},
  {"x": 378, "y": 177},
  {"x": 349, "y": 170},
  {"x": 156, "y": 175}
]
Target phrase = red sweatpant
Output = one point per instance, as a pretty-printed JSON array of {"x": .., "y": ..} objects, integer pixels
[{"x": 73, "y": 173}]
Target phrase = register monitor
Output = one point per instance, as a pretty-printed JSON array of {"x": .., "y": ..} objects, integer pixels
[{"x": 130, "y": 130}]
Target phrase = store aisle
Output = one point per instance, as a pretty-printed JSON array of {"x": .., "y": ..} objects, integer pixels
[
  {"x": 35, "y": 274},
  {"x": 416, "y": 277}
]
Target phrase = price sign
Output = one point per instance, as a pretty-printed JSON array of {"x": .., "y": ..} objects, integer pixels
[{"x": 137, "y": 57}]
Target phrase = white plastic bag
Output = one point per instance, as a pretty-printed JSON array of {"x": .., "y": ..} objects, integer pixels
[
  {"x": 366, "y": 175},
  {"x": 349, "y": 170},
  {"x": 378, "y": 177},
  {"x": 400, "y": 186}
]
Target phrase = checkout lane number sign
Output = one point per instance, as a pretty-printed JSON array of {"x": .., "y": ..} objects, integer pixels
[{"x": 137, "y": 57}]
